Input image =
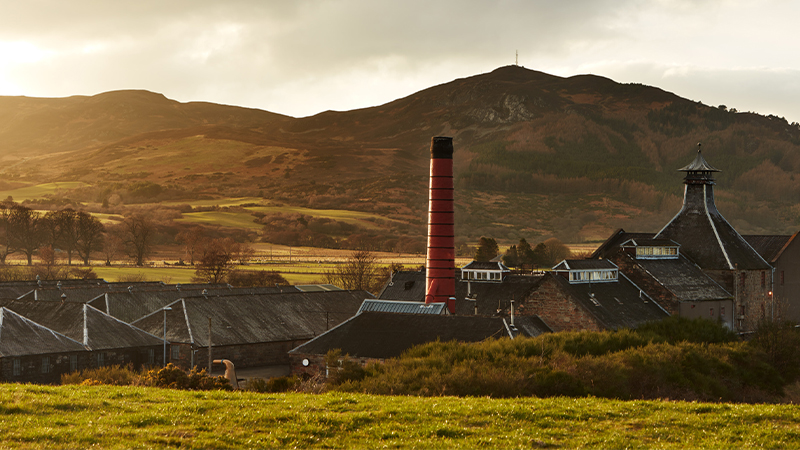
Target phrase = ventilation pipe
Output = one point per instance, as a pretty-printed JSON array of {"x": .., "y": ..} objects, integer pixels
[{"x": 440, "y": 277}]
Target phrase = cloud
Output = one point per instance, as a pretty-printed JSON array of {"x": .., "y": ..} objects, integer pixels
[{"x": 302, "y": 57}]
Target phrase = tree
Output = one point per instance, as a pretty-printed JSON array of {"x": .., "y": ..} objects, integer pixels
[
  {"x": 138, "y": 237},
  {"x": 6, "y": 244},
  {"x": 359, "y": 272},
  {"x": 550, "y": 252},
  {"x": 191, "y": 238},
  {"x": 216, "y": 260},
  {"x": 89, "y": 235},
  {"x": 59, "y": 230},
  {"x": 487, "y": 249},
  {"x": 524, "y": 253},
  {"x": 113, "y": 243},
  {"x": 25, "y": 226},
  {"x": 511, "y": 257}
]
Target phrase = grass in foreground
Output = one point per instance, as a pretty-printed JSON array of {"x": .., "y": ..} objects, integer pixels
[{"x": 131, "y": 417}]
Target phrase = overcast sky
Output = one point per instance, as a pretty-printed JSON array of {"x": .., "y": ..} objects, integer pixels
[{"x": 300, "y": 57}]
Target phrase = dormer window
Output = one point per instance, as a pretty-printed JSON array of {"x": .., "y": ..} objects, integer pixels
[
  {"x": 651, "y": 248},
  {"x": 578, "y": 271},
  {"x": 484, "y": 271}
]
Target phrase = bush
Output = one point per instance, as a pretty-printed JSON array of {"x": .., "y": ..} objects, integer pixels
[
  {"x": 167, "y": 377},
  {"x": 272, "y": 385}
]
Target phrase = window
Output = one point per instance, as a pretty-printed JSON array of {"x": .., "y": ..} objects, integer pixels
[
  {"x": 17, "y": 367},
  {"x": 45, "y": 364},
  {"x": 176, "y": 352},
  {"x": 151, "y": 356},
  {"x": 73, "y": 363},
  {"x": 711, "y": 312},
  {"x": 101, "y": 359},
  {"x": 781, "y": 278},
  {"x": 722, "y": 311}
]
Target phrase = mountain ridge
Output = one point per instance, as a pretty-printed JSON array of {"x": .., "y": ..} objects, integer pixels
[{"x": 536, "y": 154}]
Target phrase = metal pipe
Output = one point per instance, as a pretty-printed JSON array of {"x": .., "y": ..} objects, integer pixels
[
  {"x": 164, "y": 357},
  {"x": 440, "y": 261}
]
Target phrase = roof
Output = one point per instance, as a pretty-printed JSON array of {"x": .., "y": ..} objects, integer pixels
[
  {"x": 486, "y": 265},
  {"x": 394, "y": 306},
  {"x": 249, "y": 319},
  {"x": 698, "y": 165},
  {"x": 615, "y": 305},
  {"x": 85, "y": 324},
  {"x": 20, "y": 336},
  {"x": 611, "y": 245},
  {"x": 649, "y": 242},
  {"x": 584, "y": 264},
  {"x": 682, "y": 278},
  {"x": 317, "y": 287},
  {"x": 406, "y": 285},
  {"x": 529, "y": 325},
  {"x": 706, "y": 237},
  {"x": 770, "y": 247},
  {"x": 387, "y": 335},
  {"x": 129, "y": 306}
]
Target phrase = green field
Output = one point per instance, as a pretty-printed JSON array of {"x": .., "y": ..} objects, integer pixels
[
  {"x": 172, "y": 275},
  {"x": 222, "y": 218},
  {"x": 135, "y": 417},
  {"x": 39, "y": 190}
]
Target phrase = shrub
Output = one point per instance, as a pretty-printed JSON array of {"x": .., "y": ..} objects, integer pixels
[
  {"x": 115, "y": 375},
  {"x": 676, "y": 329},
  {"x": 166, "y": 377},
  {"x": 272, "y": 385},
  {"x": 779, "y": 340}
]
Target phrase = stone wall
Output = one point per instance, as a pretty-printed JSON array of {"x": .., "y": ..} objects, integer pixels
[
  {"x": 31, "y": 367},
  {"x": 242, "y": 356},
  {"x": 557, "y": 308}
]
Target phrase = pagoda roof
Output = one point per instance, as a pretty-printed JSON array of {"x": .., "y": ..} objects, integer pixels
[{"x": 699, "y": 164}]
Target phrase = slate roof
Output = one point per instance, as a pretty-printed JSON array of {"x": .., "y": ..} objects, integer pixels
[
  {"x": 683, "y": 278},
  {"x": 698, "y": 165},
  {"x": 130, "y": 306},
  {"x": 649, "y": 242},
  {"x": 395, "y": 306},
  {"x": 486, "y": 265},
  {"x": 387, "y": 335},
  {"x": 770, "y": 247},
  {"x": 608, "y": 248},
  {"x": 585, "y": 264},
  {"x": 529, "y": 326},
  {"x": 248, "y": 319},
  {"x": 489, "y": 296},
  {"x": 705, "y": 236},
  {"x": 80, "y": 322},
  {"x": 619, "y": 304},
  {"x": 20, "y": 336},
  {"x": 406, "y": 285}
]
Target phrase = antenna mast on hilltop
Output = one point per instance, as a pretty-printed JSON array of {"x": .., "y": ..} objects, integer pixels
[{"x": 516, "y": 57}]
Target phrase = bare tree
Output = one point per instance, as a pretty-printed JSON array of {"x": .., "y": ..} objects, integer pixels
[
  {"x": 216, "y": 260},
  {"x": 359, "y": 272},
  {"x": 25, "y": 226},
  {"x": 191, "y": 238},
  {"x": 139, "y": 233},
  {"x": 113, "y": 243},
  {"x": 6, "y": 243},
  {"x": 89, "y": 235}
]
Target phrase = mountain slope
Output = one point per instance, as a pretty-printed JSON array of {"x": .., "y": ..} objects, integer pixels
[{"x": 536, "y": 154}]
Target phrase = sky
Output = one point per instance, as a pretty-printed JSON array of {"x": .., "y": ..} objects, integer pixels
[{"x": 302, "y": 57}]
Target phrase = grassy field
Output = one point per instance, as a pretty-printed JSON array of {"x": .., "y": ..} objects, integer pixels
[
  {"x": 39, "y": 190},
  {"x": 131, "y": 417}
]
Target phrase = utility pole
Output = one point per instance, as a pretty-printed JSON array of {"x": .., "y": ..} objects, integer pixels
[
  {"x": 209, "y": 345},
  {"x": 516, "y": 57}
]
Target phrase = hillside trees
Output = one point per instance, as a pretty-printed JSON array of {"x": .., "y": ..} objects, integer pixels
[
  {"x": 191, "y": 238},
  {"x": 216, "y": 260},
  {"x": 486, "y": 250},
  {"x": 59, "y": 230},
  {"x": 545, "y": 254}
]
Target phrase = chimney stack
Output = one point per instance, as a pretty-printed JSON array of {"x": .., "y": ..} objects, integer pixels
[{"x": 440, "y": 276}]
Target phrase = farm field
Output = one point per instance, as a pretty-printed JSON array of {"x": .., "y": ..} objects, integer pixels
[
  {"x": 133, "y": 417},
  {"x": 39, "y": 190}
]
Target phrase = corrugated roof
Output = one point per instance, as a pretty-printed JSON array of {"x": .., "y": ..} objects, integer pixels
[
  {"x": 405, "y": 285},
  {"x": 251, "y": 319},
  {"x": 317, "y": 287},
  {"x": 387, "y": 335},
  {"x": 20, "y": 336},
  {"x": 85, "y": 324},
  {"x": 394, "y": 306}
]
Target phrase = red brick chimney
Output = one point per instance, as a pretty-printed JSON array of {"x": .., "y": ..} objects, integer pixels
[{"x": 440, "y": 276}]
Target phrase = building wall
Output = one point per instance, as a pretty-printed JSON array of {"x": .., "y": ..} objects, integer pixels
[
  {"x": 786, "y": 283},
  {"x": 242, "y": 356},
  {"x": 721, "y": 310},
  {"x": 31, "y": 367},
  {"x": 317, "y": 365},
  {"x": 557, "y": 308},
  {"x": 751, "y": 295}
]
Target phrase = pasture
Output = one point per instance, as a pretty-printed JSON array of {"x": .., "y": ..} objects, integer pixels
[{"x": 136, "y": 417}]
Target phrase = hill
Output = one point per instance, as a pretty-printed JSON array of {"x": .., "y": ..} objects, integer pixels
[{"x": 536, "y": 155}]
